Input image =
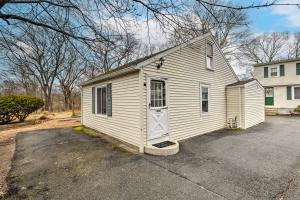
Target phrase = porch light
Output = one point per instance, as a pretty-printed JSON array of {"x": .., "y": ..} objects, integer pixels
[{"x": 161, "y": 62}]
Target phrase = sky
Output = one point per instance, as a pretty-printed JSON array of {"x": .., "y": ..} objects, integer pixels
[{"x": 275, "y": 19}]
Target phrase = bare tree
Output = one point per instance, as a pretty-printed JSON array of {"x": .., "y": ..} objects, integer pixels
[
  {"x": 73, "y": 68},
  {"x": 92, "y": 15},
  {"x": 109, "y": 56},
  {"x": 39, "y": 53},
  {"x": 264, "y": 48},
  {"x": 294, "y": 46},
  {"x": 229, "y": 27}
]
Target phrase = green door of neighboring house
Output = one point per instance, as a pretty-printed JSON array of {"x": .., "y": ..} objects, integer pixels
[{"x": 269, "y": 96}]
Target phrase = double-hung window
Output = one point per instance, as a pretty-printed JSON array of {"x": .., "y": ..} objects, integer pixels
[
  {"x": 204, "y": 99},
  {"x": 297, "y": 92},
  {"x": 101, "y": 100},
  {"x": 274, "y": 71},
  {"x": 209, "y": 56}
]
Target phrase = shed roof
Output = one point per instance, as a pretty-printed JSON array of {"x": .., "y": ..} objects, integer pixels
[
  {"x": 277, "y": 62},
  {"x": 241, "y": 82}
]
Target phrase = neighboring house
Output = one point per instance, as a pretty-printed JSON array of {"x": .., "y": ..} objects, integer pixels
[
  {"x": 281, "y": 80},
  {"x": 175, "y": 94}
]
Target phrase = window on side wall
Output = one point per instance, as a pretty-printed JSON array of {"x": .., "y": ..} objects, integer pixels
[
  {"x": 101, "y": 100},
  {"x": 274, "y": 71},
  {"x": 297, "y": 92},
  {"x": 204, "y": 99},
  {"x": 209, "y": 56}
]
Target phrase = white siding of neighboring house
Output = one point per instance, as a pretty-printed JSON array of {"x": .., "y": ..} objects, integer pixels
[
  {"x": 280, "y": 98},
  {"x": 234, "y": 107},
  {"x": 254, "y": 104},
  {"x": 280, "y": 84},
  {"x": 290, "y": 77},
  {"x": 125, "y": 121},
  {"x": 186, "y": 70}
]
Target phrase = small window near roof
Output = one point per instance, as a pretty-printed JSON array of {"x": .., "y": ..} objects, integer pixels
[
  {"x": 209, "y": 56},
  {"x": 296, "y": 92},
  {"x": 274, "y": 71}
]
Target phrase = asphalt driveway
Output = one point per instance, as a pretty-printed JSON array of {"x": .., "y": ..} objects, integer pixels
[{"x": 260, "y": 163}]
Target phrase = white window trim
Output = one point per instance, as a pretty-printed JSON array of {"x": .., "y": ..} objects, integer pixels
[
  {"x": 278, "y": 72},
  {"x": 208, "y": 87},
  {"x": 166, "y": 93},
  {"x": 96, "y": 101},
  {"x": 213, "y": 60},
  {"x": 293, "y": 92}
]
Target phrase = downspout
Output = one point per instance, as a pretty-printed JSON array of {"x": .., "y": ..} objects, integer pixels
[
  {"x": 141, "y": 94},
  {"x": 241, "y": 105},
  {"x": 81, "y": 105}
]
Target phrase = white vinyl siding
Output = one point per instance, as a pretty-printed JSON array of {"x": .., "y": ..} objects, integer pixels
[
  {"x": 254, "y": 104},
  {"x": 124, "y": 123},
  {"x": 185, "y": 70},
  {"x": 234, "y": 107},
  {"x": 289, "y": 78},
  {"x": 246, "y": 104}
]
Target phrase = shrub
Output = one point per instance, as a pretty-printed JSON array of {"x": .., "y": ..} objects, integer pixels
[
  {"x": 12, "y": 107},
  {"x": 297, "y": 109}
]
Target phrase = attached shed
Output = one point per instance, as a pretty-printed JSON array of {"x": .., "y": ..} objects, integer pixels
[{"x": 245, "y": 104}]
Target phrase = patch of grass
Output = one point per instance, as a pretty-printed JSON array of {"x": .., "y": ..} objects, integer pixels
[
  {"x": 78, "y": 128},
  {"x": 86, "y": 131}
]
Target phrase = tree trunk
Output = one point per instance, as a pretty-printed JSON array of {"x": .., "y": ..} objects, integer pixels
[{"x": 48, "y": 100}]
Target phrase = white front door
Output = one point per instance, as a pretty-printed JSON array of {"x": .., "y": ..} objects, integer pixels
[{"x": 158, "y": 109}]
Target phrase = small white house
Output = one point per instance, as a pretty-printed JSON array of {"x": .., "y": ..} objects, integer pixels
[
  {"x": 171, "y": 95},
  {"x": 250, "y": 96}
]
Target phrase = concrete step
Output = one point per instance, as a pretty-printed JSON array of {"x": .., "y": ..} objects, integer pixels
[
  {"x": 165, "y": 151},
  {"x": 271, "y": 111}
]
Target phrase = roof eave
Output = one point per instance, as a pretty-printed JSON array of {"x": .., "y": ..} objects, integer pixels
[
  {"x": 277, "y": 62},
  {"x": 115, "y": 74}
]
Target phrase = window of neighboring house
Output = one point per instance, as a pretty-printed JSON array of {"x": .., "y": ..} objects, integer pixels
[
  {"x": 204, "y": 99},
  {"x": 209, "y": 56},
  {"x": 101, "y": 100},
  {"x": 296, "y": 92},
  {"x": 274, "y": 71}
]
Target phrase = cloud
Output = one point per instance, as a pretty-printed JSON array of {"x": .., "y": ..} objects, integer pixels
[
  {"x": 291, "y": 13},
  {"x": 149, "y": 31}
]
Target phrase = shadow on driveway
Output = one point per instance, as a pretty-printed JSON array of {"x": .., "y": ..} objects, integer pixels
[{"x": 260, "y": 163}]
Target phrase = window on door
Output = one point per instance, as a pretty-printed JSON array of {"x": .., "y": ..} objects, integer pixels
[
  {"x": 296, "y": 92},
  {"x": 158, "y": 93},
  {"x": 204, "y": 99},
  {"x": 274, "y": 71},
  {"x": 101, "y": 100}
]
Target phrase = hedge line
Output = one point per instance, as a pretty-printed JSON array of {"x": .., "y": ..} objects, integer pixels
[{"x": 18, "y": 107}]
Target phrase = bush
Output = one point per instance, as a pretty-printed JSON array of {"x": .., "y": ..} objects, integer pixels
[
  {"x": 297, "y": 109},
  {"x": 12, "y": 107}
]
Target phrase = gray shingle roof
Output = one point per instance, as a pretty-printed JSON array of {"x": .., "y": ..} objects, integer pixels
[{"x": 277, "y": 62}]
